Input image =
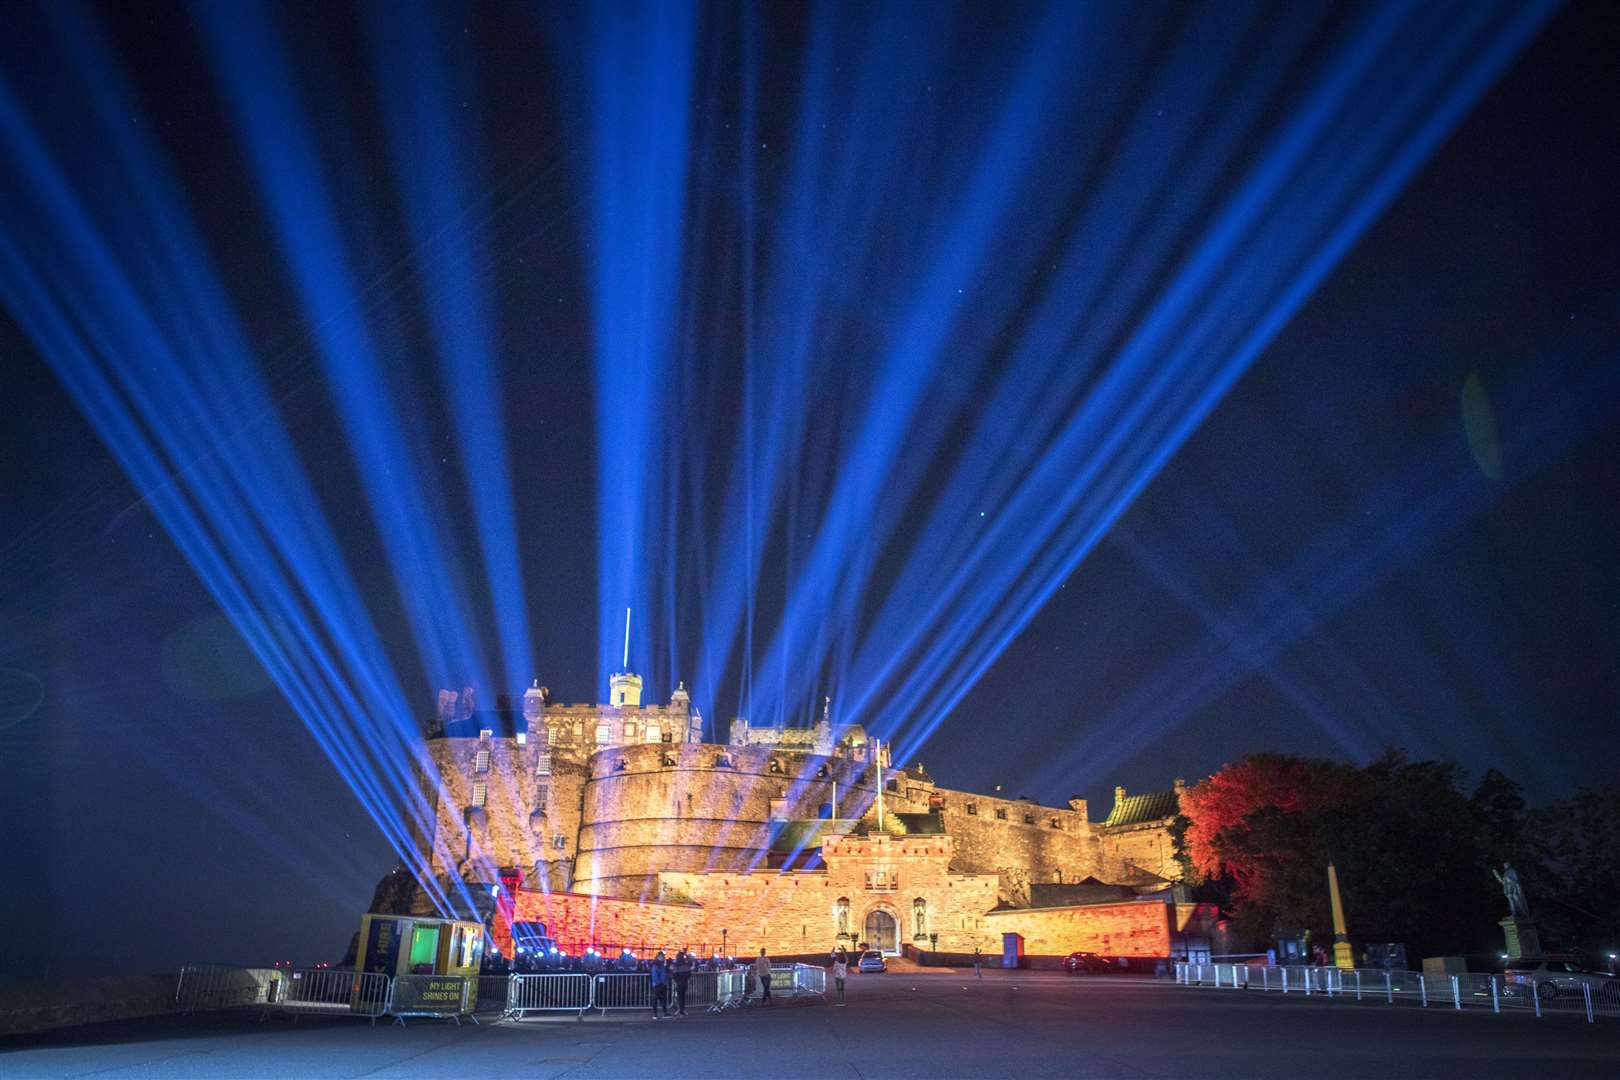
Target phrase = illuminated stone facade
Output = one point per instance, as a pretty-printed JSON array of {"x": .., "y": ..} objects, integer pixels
[{"x": 626, "y": 801}]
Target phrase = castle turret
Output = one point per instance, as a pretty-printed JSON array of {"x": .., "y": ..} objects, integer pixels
[
  {"x": 534, "y": 703},
  {"x": 680, "y": 699},
  {"x": 624, "y": 690}
]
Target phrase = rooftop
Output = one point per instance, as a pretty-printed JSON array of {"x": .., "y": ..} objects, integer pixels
[{"x": 1141, "y": 809}]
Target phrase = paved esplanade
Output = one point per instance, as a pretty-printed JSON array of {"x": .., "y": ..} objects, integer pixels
[{"x": 1008, "y": 1025}]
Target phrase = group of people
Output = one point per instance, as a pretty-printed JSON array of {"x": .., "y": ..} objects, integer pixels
[
  {"x": 670, "y": 976},
  {"x": 670, "y": 972}
]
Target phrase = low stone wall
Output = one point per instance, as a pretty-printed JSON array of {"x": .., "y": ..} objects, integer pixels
[{"x": 40, "y": 1006}]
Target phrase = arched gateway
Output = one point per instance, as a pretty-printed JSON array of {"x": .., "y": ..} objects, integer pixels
[{"x": 882, "y": 932}]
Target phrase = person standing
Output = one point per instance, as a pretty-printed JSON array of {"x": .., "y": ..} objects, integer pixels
[
  {"x": 683, "y": 975},
  {"x": 762, "y": 972},
  {"x": 660, "y": 985},
  {"x": 840, "y": 968},
  {"x": 978, "y": 962}
]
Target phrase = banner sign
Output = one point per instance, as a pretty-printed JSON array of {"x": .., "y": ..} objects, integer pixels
[
  {"x": 428, "y": 995},
  {"x": 382, "y": 946}
]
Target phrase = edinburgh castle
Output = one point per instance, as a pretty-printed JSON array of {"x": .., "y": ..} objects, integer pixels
[{"x": 616, "y": 824}]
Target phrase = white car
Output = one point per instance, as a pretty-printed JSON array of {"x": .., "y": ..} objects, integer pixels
[
  {"x": 871, "y": 963},
  {"x": 1559, "y": 978}
]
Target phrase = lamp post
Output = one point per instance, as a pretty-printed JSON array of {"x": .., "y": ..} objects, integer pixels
[
  {"x": 723, "y": 951},
  {"x": 933, "y": 942}
]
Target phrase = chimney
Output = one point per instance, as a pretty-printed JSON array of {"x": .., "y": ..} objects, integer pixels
[
  {"x": 1119, "y": 794},
  {"x": 1179, "y": 786}
]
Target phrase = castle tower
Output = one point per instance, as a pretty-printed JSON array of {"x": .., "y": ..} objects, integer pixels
[
  {"x": 624, "y": 690},
  {"x": 680, "y": 699}
]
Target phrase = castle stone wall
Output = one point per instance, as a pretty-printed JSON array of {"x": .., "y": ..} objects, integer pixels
[
  {"x": 513, "y": 828},
  {"x": 652, "y": 808},
  {"x": 1132, "y": 928},
  {"x": 1147, "y": 846}
]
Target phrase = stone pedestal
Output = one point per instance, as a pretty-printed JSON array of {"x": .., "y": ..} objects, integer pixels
[{"x": 1522, "y": 939}]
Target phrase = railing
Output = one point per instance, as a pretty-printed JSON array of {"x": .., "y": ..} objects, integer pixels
[
  {"x": 809, "y": 979},
  {"x": 548, "y": 993},
  {"x": 206, "y": 987},
  {"x": 1536, "y": 993},
  {"x": 453, "y": 997},
  {"x": 353, "y": 993},
  {"x": 448, "y": 997},
  {"x": 701, "y": 988},
  {"x": 622, "y": 991},
  {"x": 730, "y": 989}
]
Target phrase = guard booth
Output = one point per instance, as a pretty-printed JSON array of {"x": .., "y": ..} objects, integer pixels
[{"x": 410, "y": 947}]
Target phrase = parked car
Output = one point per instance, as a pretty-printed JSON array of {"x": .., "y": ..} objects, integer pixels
[
  {"x": 1556, "y": 978},
  {"x": 1086, "y": 963},
  {"x": 871, "y": 963}
]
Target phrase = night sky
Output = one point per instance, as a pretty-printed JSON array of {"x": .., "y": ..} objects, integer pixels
[{"x": 1400, "y": 527}]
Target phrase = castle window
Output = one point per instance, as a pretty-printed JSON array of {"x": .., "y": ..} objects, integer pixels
[
  {"x": 655, "y": 733},
  {"x": 1001, "y": 813},
  {"x": 543, "y": 764},
  {"x": 522, "y": 738},
  {"x": 1056, "y": 824},
  {"x": 559, "y": 842},
  {"x": 776, "y": 767},
  {"x": 1029, "y": 819},
  {"x": 579, "y": 730},
  {"x": 779, "y": 810},
  {"x": 973, "y": 808},
  {"x": 480, "y": 793},
  {"x": 604, "y": 734},
  {"x": 669, "y": 761},
  {"x": 724, "y": 762},
  {"x": 668, "y": 736},
  {"x": 621, "y": 765},
  {"x": 540, "y": 793},
  {"x": 551, "y": 734},
  {"x": 893, "y": 785},
  {"x": 481, "y": 761},
  {"x": 821, "y": 773},
  {"x": 629, "y": 731},
  {"x": 485, "y": 733}
]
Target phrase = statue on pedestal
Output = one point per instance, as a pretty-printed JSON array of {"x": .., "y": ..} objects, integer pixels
[
  {"x": 1508, "y": 878},
  {"x": 1518, "y": 929}
]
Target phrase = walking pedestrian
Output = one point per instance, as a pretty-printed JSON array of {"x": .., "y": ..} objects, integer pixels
[
  {"x": 978, "y": 962},
  {"x": 683, "y": 974},
  {"x": 840, "y": 968},
  {"x": 762, "y": 972},
  {"x": 660, "y": 985}
]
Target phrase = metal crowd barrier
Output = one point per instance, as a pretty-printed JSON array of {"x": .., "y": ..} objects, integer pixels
[
  {"x": 451, "y": 997},
  {"x": 335, "y": 993},
  {"x": 809, "y": 979},
  {"x": 548, "y": 993},
  {"x": 491, "y": 995},
  {"x": 203, "y": 987},
  {"x": 1459, "y": 991},
  {"x": 446, "y": 997},
  {"x": 623, "y": 992},
  {"x": 730, "y": 989},
  {"x": 701, "y": 988}
]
